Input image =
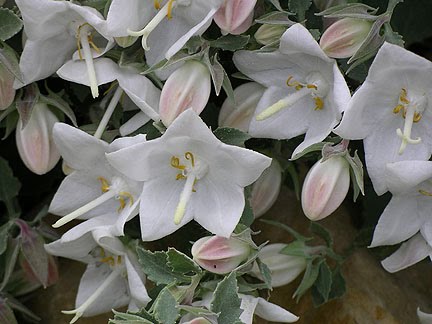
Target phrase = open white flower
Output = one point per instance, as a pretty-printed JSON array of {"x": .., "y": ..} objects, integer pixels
[
  {"x": 112, "y": 279},
  {"x": 271, "y": 312},
  {"x": 94, "y": 188},
  {"x": 391, "y": 112},
  {"x": 409, "y": 209},
  {"x": 306, "y": 92},
  {"x": 189, "y": 174},
  {"x": 141, "y": 91},
  {"x": 55, "y": 30},
  {"x": 166, "y": 25}
]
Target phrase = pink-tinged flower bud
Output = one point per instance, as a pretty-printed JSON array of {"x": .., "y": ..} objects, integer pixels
[
  {"x": 235, "y": 16},
  {"x": 239, "y": 114},
  {"x": 266, "y": 189},
  {"x": 325, "y": 187},
  {"x": 188, "y": 87},
  {"x": 343, "y": 38},
  {"x": 219, "y": 254},
  {"x": 35, "y": 143},
  {"x": 268, "y": 34},
  {"x": 7, "y": 91},
  {"x": 284, "y": 268}
]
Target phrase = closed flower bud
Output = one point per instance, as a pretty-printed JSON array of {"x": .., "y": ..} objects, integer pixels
[
  {"x": 7, "y": 91},
  {"x": 266, "y": 189},
  {"x": 235, "y": 16},
  {"x": 325, "y": 187},
  {"x": 268, "y": 34},
  {"x": 219, "y": 254},
  {"x": 239, "y": 114},
  {"x": 284, "y": 268},
  {"x": 188, "y": 87},
  {"x": 343, "y": 38},
  {"x": 35, "y": 143}
]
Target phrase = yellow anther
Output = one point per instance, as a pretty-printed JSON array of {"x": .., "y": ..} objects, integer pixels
[
  {"x": 121, "y": 199},
  {"x": 193, "y": 186},
  {"x": 79, "y": 49},
  {"x": 180, "y": 176},
  {"x": 169, "y": 9},
  {"x": 189, "y": 156},
  {"x": 311, "y": 86},
  {"x": 425, "y": 193},
  {"x": 295, "y": 84},
  {"x": 102, "y": 252},
  {"x": 105, "y": 184},
  {"x": 109, "y": 260},
  {"x": 417, "y": 117},
  {"x": 78, "y": 39},
  {"x": 319, "y": 103},
  {"x": 175, "y": 163},
  {"x": 119, "y": 259},
  {"x": 403, "y": 96},
  {"x": 397, "y": 109},
  {"x": 157, "y": 4}
]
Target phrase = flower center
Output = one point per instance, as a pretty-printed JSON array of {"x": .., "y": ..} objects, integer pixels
[
  {"x": 117, "y": 189},
  {"x": 191, "y": 170},
  {"x": 118, "y": 268},
  {"x": 315, "y": 86},
  {"x": 165, "y": 11},
  {"x": 411, "y": 109},
  {"x": 84, "y": 41}
]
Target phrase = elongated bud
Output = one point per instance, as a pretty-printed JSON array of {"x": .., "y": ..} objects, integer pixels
[
  {"x": 235, "y": 16},
  {"x": 35, "y": 143},
  {"x": 268, "y": 34},
  {"x": 239, "y": 114},
  {"x": 284, "y": 268},
  {"x": 188, "y": 87},
  {"x": 343, "y": 38},
  {"x": 266, "y": 189},
  {"x": 219, "y": 254},
  {"x": 7, "y": 91},
  {"x": 325, "y": 187}
]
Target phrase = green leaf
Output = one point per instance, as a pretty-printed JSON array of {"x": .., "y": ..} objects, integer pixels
[
  {"x": 324, "y": 281},
  {"x": 10, "y": 24},
  {"x": 155, "y": 266},
  {"x": 164, "y": 307},
  {"x": 128, "y": 318},
  {"x": 225, "y": 300},
  {"x": 338, "y": 285},
  {"x": 247, "y": 217},
  {"x": 231, "y": 136},
  {"x": 9, "y": 185},
  {"x": 53, "y": 99},
  {"x": 321, "y": 232},
  {"x": 275, "y": 18},
  {"x": 265, "y": 273},
  {"x": 296, "y": 248},
  {"x": 309, "y": 278},
  {"x": 230, "y": 42},
  {"x": 6, "y": 314},
  {"x": 277, "y": 4},
  {"x": 16, "y": 305},
  {"x": 10, "y": 261},
  {"x": 9, "y": 59},
  {"x": 356, "y": 167},
  {"x": 312, "y": 148},
  {"x": 181, "y": 263},
  {"x": 4, "y": 235},
  {"x": 197, "y": 311},
  {"x": 300, "y": 7}
]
